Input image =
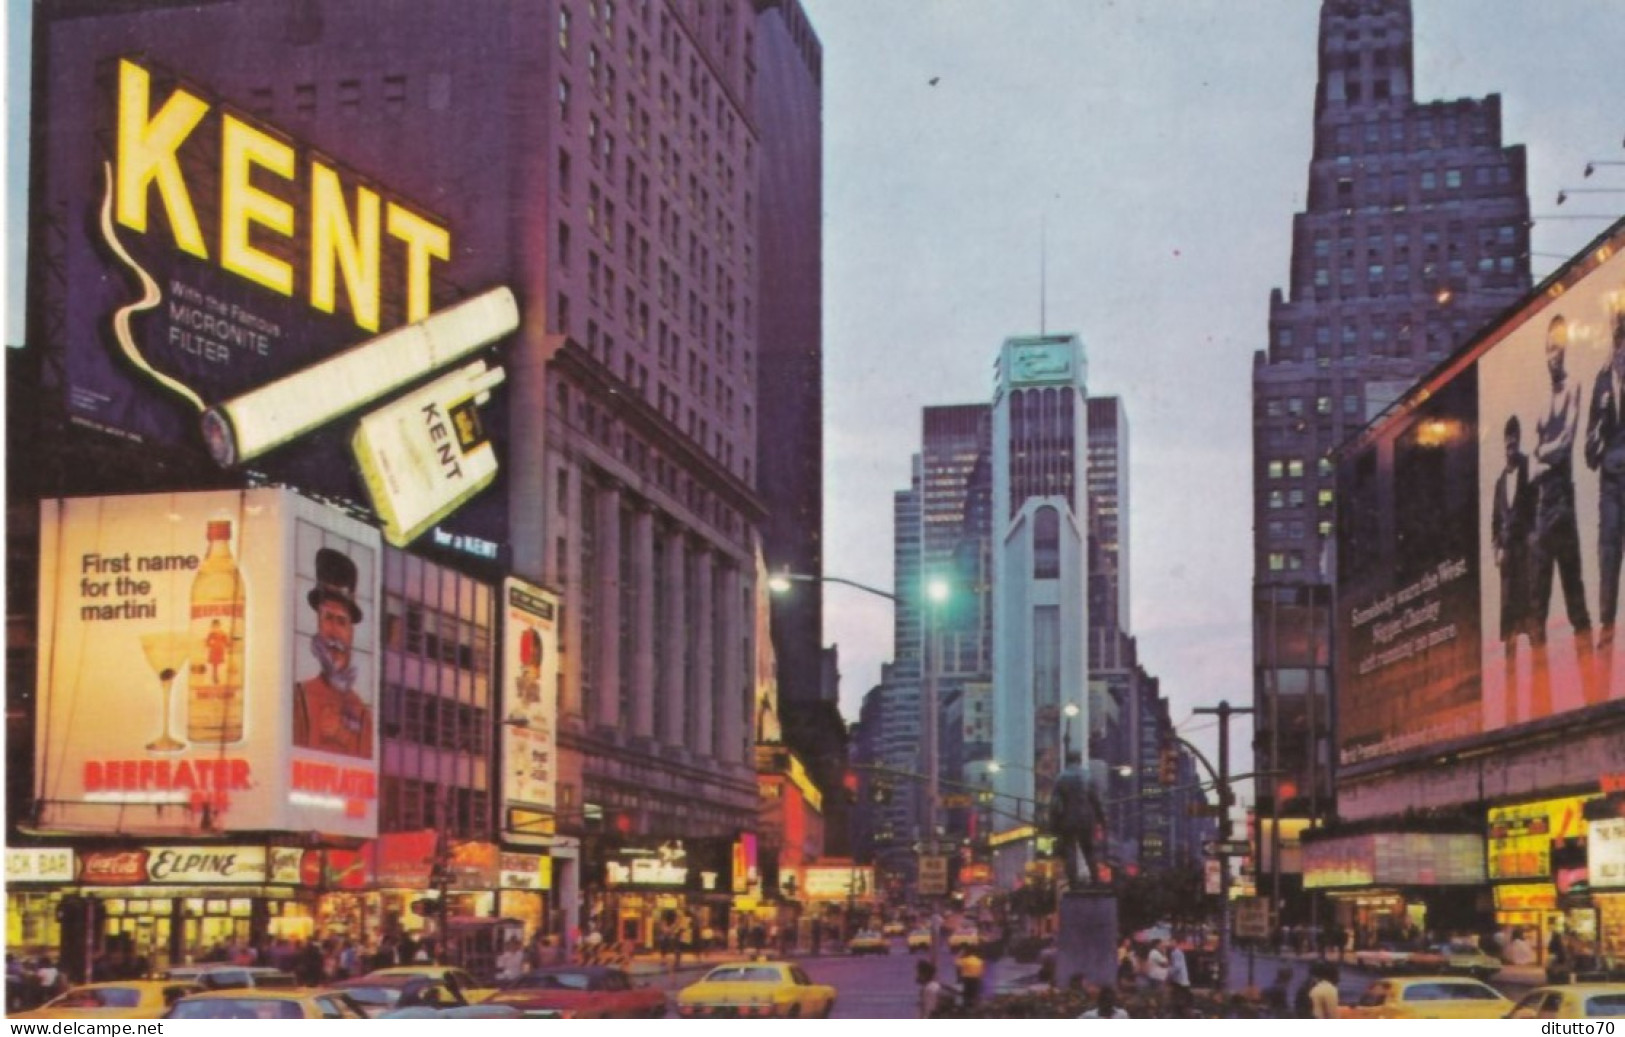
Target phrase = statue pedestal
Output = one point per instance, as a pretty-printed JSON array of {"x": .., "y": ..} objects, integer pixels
[{"x": 1086, "y": 943}]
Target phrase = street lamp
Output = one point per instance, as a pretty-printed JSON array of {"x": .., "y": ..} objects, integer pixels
[{"x": 936, "y": 591}]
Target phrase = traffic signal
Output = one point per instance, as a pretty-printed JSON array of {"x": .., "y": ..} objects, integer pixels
[{"x": 1168, "y": 765}]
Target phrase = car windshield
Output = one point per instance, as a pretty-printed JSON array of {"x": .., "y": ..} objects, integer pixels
[
  {"x": 554, "y": 981},
  {"x": 743, "y": 974},
  {"x": 237, "y": 1008},
  {"x": 101, "y": 997},
  {"x": 1605, "y": 1005},
  {"x": 374, "y": 995}
]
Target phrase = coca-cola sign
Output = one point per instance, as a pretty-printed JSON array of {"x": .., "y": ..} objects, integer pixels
[{"x": 113, "y": 867}]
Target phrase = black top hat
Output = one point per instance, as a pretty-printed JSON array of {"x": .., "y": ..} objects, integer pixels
[{"x": 335, "y": 581}]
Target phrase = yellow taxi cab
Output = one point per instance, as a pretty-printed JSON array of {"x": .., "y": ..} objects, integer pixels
[
  {"x": 1429, "y": 997},
  {"x": 919, "y": 939},
  {"x": 965, "y": 937},
  {"x": 472, "y": 990},
  {"x": 766, "y": 989},
  {"x": 893, "y": 929},
  {"x": 867, "y": 941},
  {"x": 256, "y": 1003},
  {"x": 1572, "y": 1001},
  {"x": 120, "y": 999}
]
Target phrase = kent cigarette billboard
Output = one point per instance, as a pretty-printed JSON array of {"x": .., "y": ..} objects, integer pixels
[
  {"x": 207, "y": 662},
  {"x": 1481, "y": 526},
  {"x": 206, "y": 253}
]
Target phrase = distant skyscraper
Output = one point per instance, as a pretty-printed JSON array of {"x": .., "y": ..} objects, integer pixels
[
  {"x": 1109, "y": 502},
  {"x": 1415, "y": 233},
  {"x": 1040, "y": 569}
]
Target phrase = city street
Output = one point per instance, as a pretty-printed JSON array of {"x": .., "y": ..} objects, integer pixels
[{"x": 867, "y": 987}]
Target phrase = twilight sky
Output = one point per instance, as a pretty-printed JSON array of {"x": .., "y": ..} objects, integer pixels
[{"x": 1162, "y": 147}]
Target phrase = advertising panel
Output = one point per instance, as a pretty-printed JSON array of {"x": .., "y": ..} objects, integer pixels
[
  {"x": 1521, "y": 836},
  {"x": 1606, "y": 845},
  {"x": 530, "y": 668},
  {"x": 839, "y": 882},
  {"x": 207, "y": 254},
  {"x": 1479, "y": 532},
  {"x": 208, "y": 661},
  {"x": 1394, "y": 858},
  {"x": 175, "y": 866},
  {"x": 39, "y": 864}
]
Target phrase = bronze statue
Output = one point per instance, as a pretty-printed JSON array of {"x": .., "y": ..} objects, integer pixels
[{"x": 1074, "y": 814}]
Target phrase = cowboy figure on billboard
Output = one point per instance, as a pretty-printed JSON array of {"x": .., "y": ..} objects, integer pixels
[
  {"x": 327, "y": 713},
  {"x": 1555, "y": 541},
  {"x": 1605, "y": 454}
]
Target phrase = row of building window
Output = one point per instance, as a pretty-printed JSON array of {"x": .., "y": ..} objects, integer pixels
[
  {"x": 1295, "y": 498},
  {"x": 1410, "y": 133},
  {"x": 1293, "y": 468},
  {"x": 407, "y": 805}
]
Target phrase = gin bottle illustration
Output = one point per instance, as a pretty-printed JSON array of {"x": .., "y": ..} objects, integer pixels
[{"x": 219, "y": 620}]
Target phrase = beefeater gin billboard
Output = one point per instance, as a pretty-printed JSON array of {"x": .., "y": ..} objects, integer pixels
[{"x": 207, "y": 662}]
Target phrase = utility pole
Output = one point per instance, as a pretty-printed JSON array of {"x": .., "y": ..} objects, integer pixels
[{"x": 1224, "y": 711}]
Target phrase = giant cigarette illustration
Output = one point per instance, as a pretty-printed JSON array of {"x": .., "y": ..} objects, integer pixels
[{"x": 243, "y": 428}]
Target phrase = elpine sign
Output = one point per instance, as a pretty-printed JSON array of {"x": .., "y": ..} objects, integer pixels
[{"x": 174, "y": 866}]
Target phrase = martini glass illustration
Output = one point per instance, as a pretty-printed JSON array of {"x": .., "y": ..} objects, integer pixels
[{"x": 165, "y": 653}]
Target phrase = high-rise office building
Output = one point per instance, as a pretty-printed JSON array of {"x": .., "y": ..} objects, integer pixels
[
  {"x": 1414, "y": 234},
  {"x": 1040, "y": 570},
  {"x": 1109, "y": 507}
]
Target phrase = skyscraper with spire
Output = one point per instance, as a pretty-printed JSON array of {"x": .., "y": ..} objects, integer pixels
[{"x": 1415, "y": 234}]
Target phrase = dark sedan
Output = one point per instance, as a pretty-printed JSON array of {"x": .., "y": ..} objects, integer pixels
[{"x": 583, "y": 992}]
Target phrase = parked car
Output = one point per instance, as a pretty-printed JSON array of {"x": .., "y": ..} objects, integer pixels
[
  {"x": 764, "y": 989},
  {"x": 266, "y": 1004},
  {"x": 381, "y": 992},
  {"x": 232, "y": 977},
  {"x": 1390, "y": 956},
  {"x": 1587, "y": 968},
  {"x": 868, "y": 941},
  {"x": 1457, "y": 958},
  {"x": 966, "y": 936},
  {"x": 1429, "y": 997},
  {"x": 582, "y": 992},
  {"x": 1573, "y": 1001},
  {"x": 460, "y": 979},
  {"x": 123, "y": 999},
  {"x": 483, "y": 1010},
  {"x": 919, "y": 940}
]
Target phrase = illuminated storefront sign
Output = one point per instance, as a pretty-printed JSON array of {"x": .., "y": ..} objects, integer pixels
[
  {"x": 1394, "y": 859},
  {"x": 1521, "y": 836},
  {"x": 530, "y": 667},
  {"x": 523, "y": 871},
  {"x": 663, "y": 865},
  {"x": 1606, "y": 846},
  {"x": 837, "y": 882},
  {"x": 174, "y": 865},
  {"x": 38, "y": 864},
  {"x": 291, "y": 865},
  {"x": 208, "y": 658},
  {"x": 1526, "y": 896}
]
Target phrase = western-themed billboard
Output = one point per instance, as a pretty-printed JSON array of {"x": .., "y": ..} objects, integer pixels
[
  {"x": 1481, "y": 529},
  {"x": 215, "y": 270},
  {"x": 207, "y": 662},
  {"x": 530, "y": 679}
]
